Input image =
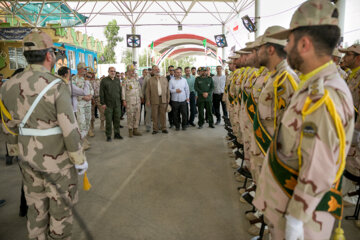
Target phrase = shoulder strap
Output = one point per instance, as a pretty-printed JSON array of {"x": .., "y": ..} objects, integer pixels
[{"x": 37, "y": 100}]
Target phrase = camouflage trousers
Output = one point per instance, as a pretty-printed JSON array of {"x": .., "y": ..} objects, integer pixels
[
  {"x": 96, "y": 103},
  {"x": 84, "y": 117},
  {"x": 50, "y": 198},
  {"x": 133, "y": 115}
]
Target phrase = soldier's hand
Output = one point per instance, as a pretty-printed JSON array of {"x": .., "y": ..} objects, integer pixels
[
  {"x": 205, "y": 94},
  {"x": 294, "y": 228},
  {"x": 124, "y": 103},
  {"x": 103, "y": 106},
  {"x": 82, "y": 168}
]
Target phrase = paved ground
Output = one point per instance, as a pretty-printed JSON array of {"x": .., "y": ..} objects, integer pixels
[{"x": 177, "y": 186}]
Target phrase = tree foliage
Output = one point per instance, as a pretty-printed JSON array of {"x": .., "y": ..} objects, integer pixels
[{"x": 111, "y": 33}]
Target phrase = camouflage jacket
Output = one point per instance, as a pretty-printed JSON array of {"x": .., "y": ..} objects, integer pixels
[
  {"x": 46, "y": 153},
  {"x": 266, "y": 102},
  {"x": 319, "y": 148},
  {"x": 131, "y": 91},
  {"x": 96, "y": 87},
  {"x": 80, "y": 82}
]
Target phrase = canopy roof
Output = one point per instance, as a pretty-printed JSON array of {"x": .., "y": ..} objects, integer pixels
[{"x": 131, "y": 13}]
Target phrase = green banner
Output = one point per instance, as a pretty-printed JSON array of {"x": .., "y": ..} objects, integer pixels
[{"x": 287, "y": 177}]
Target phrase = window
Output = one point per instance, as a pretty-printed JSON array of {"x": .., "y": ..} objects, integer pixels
[
  {"x": 17, "y": 59},
  {"x": 90, "y": 61},
  {"x": 72, "y": 61},
  {"x": 81, "y": 57}
]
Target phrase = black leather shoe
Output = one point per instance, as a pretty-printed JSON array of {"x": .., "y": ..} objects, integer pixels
[
  {"x": 165, "y": 131},
  {"x": 118, "y": 136},
  {"x": 211, "y": 126},
  {"x": 192, "y": 124},
  {"x": 177, "y": 129},
  {"x": 2, "y": 203},
  {"x": 121, "y": 126},
  {"x": 154, "y": 132},
  {"x": 200, "y": 127},
  {"x": 108, "y": 139}
]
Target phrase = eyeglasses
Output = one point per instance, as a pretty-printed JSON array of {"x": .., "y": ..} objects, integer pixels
[
  {"x": 89, "y": 76},
  {"x": 112, "y": 71}
]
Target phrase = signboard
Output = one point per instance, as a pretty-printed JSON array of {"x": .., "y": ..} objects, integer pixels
[{"x": 16, "y": 33}]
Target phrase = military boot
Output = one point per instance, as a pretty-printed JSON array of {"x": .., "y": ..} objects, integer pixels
[
  {"x": 136, "y": 133},
  {"x": 91, "y": 133},
  {"x": 102, "y": 125},
  {"x": 86, "y": 144},
  {"x": 130, "y": 132}
]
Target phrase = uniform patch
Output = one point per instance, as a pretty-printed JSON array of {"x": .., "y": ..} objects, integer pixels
[{"x": 309, "y": 129}]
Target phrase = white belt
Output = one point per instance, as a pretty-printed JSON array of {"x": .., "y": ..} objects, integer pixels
[{"x": 39, "y": 132}]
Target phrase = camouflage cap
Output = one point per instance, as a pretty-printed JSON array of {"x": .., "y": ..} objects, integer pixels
[
  {"x": 353, "y": 48},
  {"x": 267, "y": 36},
  {"x": 336, "y": 53},
  {"x": 202, "y": 68},
  {"x": 235, "y": 56},
  {"x": 130, "y": 67},
  {"x": 230, "y": 61},
  {"x": 81, "y": 65},
  {"x": 311, "y": 13},
  {"x": 90, "y": 70},
  {"x": 248, "y": 46},
  {"x": 242, "y": 52},
  {"x": 37, "y": 40}
]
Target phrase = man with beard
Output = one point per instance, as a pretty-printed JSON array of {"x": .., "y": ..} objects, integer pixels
[
  {"x": 110, "y": 99},
  {"x": 158, "y": 97},
  {"x": 147, "y": 108},
  {"x": 132, "y": 98},
  {"x": 299, "y": 188},
  {"x": 43, "y": 132},
  {"x": 352, "y": 61},
  {"x": 204, "y": 87}
]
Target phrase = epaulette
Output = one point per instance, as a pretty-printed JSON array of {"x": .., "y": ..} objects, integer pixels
[{"x": 316, "y": 88}]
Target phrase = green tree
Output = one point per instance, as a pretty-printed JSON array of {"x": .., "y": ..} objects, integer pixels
[
  {"x": 126, "y": 57},
  {"x": 111, "y": 33}
]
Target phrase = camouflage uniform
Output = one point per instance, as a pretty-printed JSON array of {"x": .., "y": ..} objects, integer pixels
[
  {"x": 96, "y": 103},
  {"x": 84, "y": 107},
  {"x": 46, "y": 162},
  {"x": 132, "y": 94},
  {"x": 245, "y": 123},
  {"x": 322, "y": 144},
  {"x": 312, "y": 138}
]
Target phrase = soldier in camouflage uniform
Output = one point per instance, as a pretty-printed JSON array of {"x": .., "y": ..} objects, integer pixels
[
  {"x": 47, "y": 141},
  {"x": 132, "y": 97},
  {"x": 336, "y": 57},
  {"x": 299, "y": 188},
  {"x": 352, "y": 61},
  {"x": 83, "y": 113},
  {"x": 95, "y": 84}
]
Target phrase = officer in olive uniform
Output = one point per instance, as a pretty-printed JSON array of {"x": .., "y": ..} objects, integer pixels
[
  {"x": 40, "y": 128},
  {"x": 110, "y": 99},
  {"x": 204, "y": 87}
]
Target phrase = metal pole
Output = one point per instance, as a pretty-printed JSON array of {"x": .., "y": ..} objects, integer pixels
[
  {"x": 223, "y": 49},
  {"x": 134, "y": 50},
  {"x": 341, "y": 8},
  {"x": 257, "y": 18}
]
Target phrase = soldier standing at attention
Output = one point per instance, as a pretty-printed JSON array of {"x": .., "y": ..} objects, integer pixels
[
  {"x": 40, "y": 127},
  {"x": 83, "y": 114},
  {"x": 110, "y": 99},
  {"x": 95, "y": 84},
  {"x": 299, "y": 188},
  {"x": 204, "y": 87},
  {"x": 132, "y": 97}
]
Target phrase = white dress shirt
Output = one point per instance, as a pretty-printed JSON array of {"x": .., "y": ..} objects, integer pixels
[
  {"x": 219, "y": 83},
  {"x": 181, "y": 84}
]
